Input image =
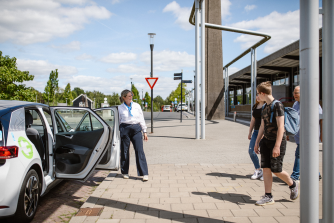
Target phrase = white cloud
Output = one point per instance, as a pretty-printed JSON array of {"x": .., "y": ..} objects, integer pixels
[
  {"x": 283, "y": 28},
  {"x": 74, "y": 2},
  {"x": 72, "y": 46},
  {"x": 169, "y": 60},
  {"x": 119, "y": 57},
  {"x": 163, "y": 61},
  {"x": 42, "y": 68},
  {"x": 84, "y": 57},
  {"x": 90, "y": 83},
  {"x": 26, "y": 22},
  {"x": 115, "y": 1},
  {"x": 130, "y": 68},
  {"x": 225, "y": 8},
  {"x": 249, "y": 7},
  {"x": 182, "y": 14},
  {"x": 232, "y": 70}
]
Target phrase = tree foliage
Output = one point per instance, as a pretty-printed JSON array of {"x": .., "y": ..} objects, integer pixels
[
  {"x": 159, "y": 101},
  {"x": 114, "y": 99},
  {"x": 68, "y": 94},
  {"x": 51, "y": 87},
  {"x": 148, "y": 100},
  {"x": 10, "y": 77},
  {"x": 177, "y": 94}
]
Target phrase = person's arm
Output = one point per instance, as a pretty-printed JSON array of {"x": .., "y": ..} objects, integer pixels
[
  {"x": 259, "y": 137},
  {"x": 142, "y": 123},
  {"x": 251, "y": 127},
  {"x": 279, "y": 137}
]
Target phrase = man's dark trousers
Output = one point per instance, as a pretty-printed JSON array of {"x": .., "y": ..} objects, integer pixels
[{"x": 132, "y": 133}]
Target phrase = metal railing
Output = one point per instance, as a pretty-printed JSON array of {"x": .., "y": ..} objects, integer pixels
[{"x": 251, "y": 49}]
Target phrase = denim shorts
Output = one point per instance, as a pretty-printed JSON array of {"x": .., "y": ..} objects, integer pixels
[{"x": 267, "y": 159}]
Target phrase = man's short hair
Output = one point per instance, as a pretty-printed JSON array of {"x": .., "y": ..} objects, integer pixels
[{"x": 264, "y": 87}]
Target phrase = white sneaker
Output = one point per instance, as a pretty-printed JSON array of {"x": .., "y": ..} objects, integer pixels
[
  {"x": 145, "y": 178},
  {"x": 257, "y": 174},
  {"x": 262, "y": 178},
  {"x": 126, "y": 176}
]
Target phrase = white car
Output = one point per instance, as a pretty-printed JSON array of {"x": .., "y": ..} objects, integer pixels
[
  {"x": 167, "y": 108},
  {"x": 184, "y": 107},
  {"x": 41, "y": 145}
]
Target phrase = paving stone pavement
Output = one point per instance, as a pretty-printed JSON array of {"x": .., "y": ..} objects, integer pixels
[{"x": 200, "y": 181}]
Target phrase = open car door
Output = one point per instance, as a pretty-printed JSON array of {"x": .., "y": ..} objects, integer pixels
[
  {"x": 81, "y": 140},
  {"x": 111, "y": 158}
]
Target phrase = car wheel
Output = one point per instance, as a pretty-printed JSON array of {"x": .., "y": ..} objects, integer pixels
[{"x": 28, "y": 198}]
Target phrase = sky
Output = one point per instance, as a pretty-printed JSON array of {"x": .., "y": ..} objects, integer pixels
[{"x": 102, "y": 44}]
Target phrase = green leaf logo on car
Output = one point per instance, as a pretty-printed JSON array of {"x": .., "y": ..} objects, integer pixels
[{"x": 29, "y": 146}]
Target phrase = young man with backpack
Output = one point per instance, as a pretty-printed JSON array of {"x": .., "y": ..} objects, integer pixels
[{"x": 273, "y": 144}]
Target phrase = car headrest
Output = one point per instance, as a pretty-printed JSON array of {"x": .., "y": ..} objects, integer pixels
[{"x": 29, "y": 119}]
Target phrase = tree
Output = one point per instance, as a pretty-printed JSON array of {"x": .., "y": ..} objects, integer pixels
[
  {"x": 113, "y": 99},
  {"x": 177, "y": 94},
  {"x": 51, "y": 86},
  {"x": 158, "y": 101},
  {"x": 136, "y": 95},
  {"x": 10, "y": 76},
  {"x": 78, "y": 91},
  {"x": 68, "y": 94},
  {"x": 147, "y": 100},
  {"x": 97, "y": 95}
]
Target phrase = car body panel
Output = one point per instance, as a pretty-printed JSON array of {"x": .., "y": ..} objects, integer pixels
[
  {"x": 15, "y": 169},
  {"x": 113, "y": 161}
]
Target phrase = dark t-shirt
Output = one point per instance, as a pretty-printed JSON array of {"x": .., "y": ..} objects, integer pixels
[
  {"x": 270, "y": 129},
  {"x": 257, "y": 115}
]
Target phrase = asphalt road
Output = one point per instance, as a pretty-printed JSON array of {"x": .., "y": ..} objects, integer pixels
[{"x": 166, "y": 116}]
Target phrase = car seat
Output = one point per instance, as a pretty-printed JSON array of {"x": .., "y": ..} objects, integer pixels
[{"x": 34, "y": 136}]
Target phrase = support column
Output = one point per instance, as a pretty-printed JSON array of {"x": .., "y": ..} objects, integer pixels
[
  {"x": 328, "y": 111},
  {"x": 214, "y": 83},
  {"x": 235, "y": 98},
  {"x": 244, "y": 94},
  {"x": 309, "y": 116},
  {"x": 203, "y": 112},
  {"x": 197, "y": 68},
  {"x": 291, "y": 87}
]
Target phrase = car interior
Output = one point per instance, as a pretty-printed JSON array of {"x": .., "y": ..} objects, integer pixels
[
  {"x": 37, "y": 134},
  {"x": 78, "y": 134}
]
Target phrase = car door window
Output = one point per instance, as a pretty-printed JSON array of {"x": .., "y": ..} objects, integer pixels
[
  {"x": 48, "y": 118},
  {"x": 108, "y": 116}
]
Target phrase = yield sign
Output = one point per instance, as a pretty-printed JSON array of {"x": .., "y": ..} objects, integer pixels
[{"x": 151, "y": 81}]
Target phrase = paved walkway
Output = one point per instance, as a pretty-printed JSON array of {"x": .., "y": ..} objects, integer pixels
[{"x": 193, "y": 181}]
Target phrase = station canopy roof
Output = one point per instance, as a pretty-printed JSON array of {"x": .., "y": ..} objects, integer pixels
[{"x": 278, "y": 63}]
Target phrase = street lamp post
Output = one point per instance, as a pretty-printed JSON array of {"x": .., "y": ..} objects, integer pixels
[
  {"x": 151, "y": 38},
  {"x": 131, "y": 85}
]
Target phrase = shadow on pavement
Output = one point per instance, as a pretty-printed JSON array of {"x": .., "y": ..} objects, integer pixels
[
  {"x": 240, "y": 199},
  {"x": 174, "y": 137},
  {"x": 164, "y": 214},
  {"x": 236, "y": 176}
]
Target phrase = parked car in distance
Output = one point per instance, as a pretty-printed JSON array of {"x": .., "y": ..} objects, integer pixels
[
  {"x": 167, "y": 108},
  {"x": 184, "y": 107},
  {"x": 42, "y": 145}
]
